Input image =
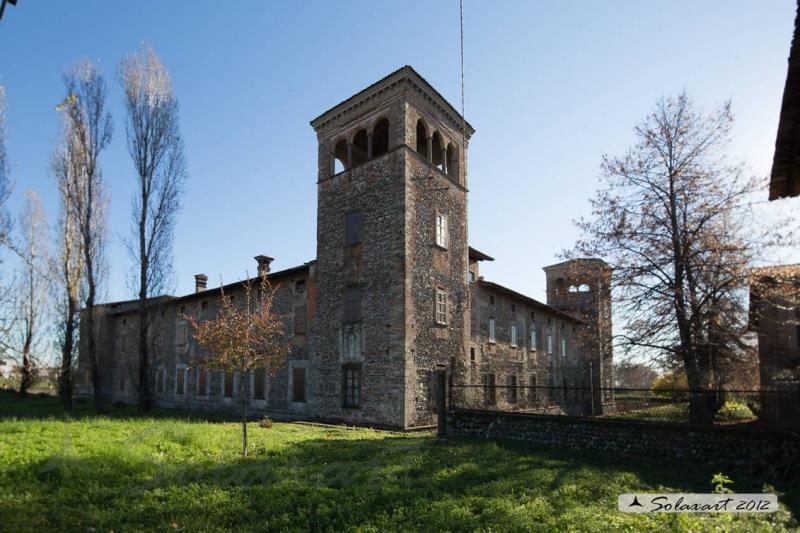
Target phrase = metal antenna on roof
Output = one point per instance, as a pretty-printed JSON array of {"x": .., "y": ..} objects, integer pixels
[{"x": 463, "y": 120}]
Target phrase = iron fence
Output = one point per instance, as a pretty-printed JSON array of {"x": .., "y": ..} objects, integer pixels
[{"x": 774, "y": 408}]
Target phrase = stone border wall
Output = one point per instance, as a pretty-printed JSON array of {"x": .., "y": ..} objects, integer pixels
[{"x": 756, "y": 450}]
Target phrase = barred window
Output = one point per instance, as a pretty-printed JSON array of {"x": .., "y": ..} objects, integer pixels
[
  {"x": 441, "y": 306},
  {"x": 351, "y": 384},
  {"x": 489, "y": 389},
  {"x": 441, "y": 230},
  {"x": 511, "y": 384}
]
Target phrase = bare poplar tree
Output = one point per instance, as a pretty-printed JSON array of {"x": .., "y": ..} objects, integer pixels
[
  {"x": 243, "y": 338},
  {"x": 156, "y": 147},
  {"x": 33, "y": 286},
  {"x": 90, "y": 123},
  {"x": 66, "y": 164},
  {"x": 676, "y": 220}
]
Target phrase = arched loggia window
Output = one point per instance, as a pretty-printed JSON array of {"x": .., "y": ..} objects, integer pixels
[
  {"x": 437, "y": 157},
  {"x": 452, "y": 160},
  {"x": 380, "y": 138},
  {"x": 340, "y": 157},
  {"x": 422, "y": 138}
]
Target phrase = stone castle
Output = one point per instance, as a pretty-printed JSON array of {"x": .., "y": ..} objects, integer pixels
[{"x": 394, "y": 293}]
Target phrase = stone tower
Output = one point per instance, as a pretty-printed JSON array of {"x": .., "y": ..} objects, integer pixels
[
  {"x": 582, "y": 288},
  {"x": 392, "y": 300}
]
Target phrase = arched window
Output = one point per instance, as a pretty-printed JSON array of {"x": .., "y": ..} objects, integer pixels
[
  {"x": 560, "y": 285},
  {"x": 380, "y": 138},
  {"x": 436, "y": 148},
  {"x": 584, "y": 288},
  {"x": 340, "y": 157},
  {"x": 452, "y": 160},
  {"x": 422, "y": 138},
  {"x": 360, "y": 148}
]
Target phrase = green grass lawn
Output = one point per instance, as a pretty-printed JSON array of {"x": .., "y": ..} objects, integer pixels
[{"x": 172, "y": 471}]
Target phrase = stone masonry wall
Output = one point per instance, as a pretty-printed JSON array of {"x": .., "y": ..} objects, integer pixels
[{"x": 756, "y": 450}]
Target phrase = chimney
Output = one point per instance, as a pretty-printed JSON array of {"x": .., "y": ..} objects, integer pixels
[
  {"x": 200, "y": 281},
  {"x": 263, "y": 264}
]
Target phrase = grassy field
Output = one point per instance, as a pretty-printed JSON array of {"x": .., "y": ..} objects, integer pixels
[{"x": 171, "y": 471}]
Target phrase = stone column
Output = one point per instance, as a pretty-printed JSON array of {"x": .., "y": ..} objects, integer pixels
[
  {"x": 349, "y": 155},
  {"x": 369, "y": 145},
  {"x": 333, "y": 164},
  {"x": 430, "y": 149},
  {"x": 444, "y": 160}
]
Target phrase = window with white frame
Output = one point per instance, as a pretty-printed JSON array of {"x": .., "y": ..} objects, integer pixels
[
  {"x": 492, "y": 337},
  {"x": 549, "y": 343},
  {"x": 441, "y": 306},
  {"x": 441, "y": 230},
  {"x": 534, "y": 340},
  {"x": 514, "y": 335},
  {"x": 563, "y": 347}
]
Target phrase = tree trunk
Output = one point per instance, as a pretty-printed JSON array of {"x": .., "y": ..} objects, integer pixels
[
  {"x": 702, "y": 401},
  {"x": 65, "y": 377},
  {"x": 144, "y": 358}
]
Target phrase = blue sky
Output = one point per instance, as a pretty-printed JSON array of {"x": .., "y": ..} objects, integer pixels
[{"x": 550, "y": 87}]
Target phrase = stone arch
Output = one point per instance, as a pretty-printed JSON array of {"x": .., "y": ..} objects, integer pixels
[
  {"x": 380, "y": 137},
  {"x": 422, "y": 138},
  {"x": 360, "y": 147}
]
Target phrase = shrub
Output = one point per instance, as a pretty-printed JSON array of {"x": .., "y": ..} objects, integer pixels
[{"x": 670, "y": 385}]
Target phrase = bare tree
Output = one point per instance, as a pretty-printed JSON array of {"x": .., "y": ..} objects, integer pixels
[
  {"x": 84, "y": 107},
  {"x": 33, "y": 286},
  {"x": 156, "y": 147},
  {"x": 243, "y": 338},
  {"x": 676, "y": 221},
  {"x": 67, "y": 169}
]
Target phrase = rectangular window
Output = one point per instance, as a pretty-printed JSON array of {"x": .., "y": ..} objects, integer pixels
[
  {"x": 513, "y": 335},
  {"x": 489, "y": 389},
  {"x": 300, "y": 285},
  {"x": 352, "y": 305},
  {"x": 511, "y": 383},
  {"x": 441, "y": 306},
  {"x": 472, "y": 353},
  {"x": 352, "y": 228},
  {"x": 534, "y": 340},
  {"x": 259, "y": 379},
  {"x": 549, "y": 343},
  {"x": 563, "y": 347},
  {"x": 300, "y": 319},
  {"x": 228, "y": 385},
  {"x": 471, "y": 276},
  {"x": 298, "y": 384},
  {"x": 202, "y": 382},
  {"x": 441, "y": 230},
  {"x": 351, "y": 384},
  {"x": 492, "y": 337},
  {"x": 180, "y": 381}
]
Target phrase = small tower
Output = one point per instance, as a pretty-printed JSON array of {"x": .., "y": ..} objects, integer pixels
[{"x": 582, "y": 288}]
